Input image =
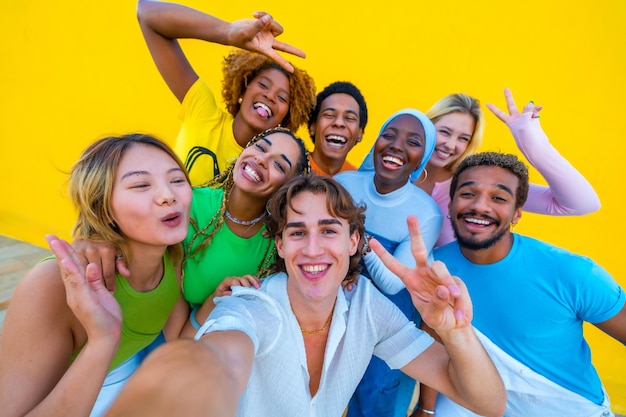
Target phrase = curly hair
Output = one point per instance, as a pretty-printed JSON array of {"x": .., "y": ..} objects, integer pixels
[
  {"x": 226, "y": 182},
  {"x": 240, "y": 67},
  {"x": 339, "y": 204},
  {"x": 340, "y": 87},
  {"x": 506, "y": 161}
]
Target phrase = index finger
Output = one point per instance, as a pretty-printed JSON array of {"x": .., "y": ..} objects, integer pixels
[
  {"x": 510, "y": 102},
  {"x": 418, "y": 248}
]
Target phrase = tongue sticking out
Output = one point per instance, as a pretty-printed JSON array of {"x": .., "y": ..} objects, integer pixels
[{"x": 262, "y": 112}]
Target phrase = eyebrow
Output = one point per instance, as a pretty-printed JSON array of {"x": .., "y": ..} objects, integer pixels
[
  {"x": 322, "y": 222},
  {"x": 500, "y": 186},
  {"x": 282, "y": 154},
  {"x": 336, "y": 110},
  {"x": 131, "y": 173}
]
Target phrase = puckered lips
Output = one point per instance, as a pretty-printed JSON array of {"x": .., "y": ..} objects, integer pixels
[
  {"x": 392, "y": 161},
  {"x": 172, "y": 219},
  {"x": 252, "y": 172},
  {"x": 336, "y": 141},
  {"x": 263, "y": 110}
]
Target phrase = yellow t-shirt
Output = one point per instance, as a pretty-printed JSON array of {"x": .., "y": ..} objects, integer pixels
[{"x": 205, "y": 141}]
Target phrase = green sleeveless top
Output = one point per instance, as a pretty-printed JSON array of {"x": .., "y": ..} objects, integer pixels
[
  {"x": 228, "y": 255},
  {"x": 143, "y": 313}
]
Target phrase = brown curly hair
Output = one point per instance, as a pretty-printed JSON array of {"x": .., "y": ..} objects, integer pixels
[{"x": 240, "y": 67}]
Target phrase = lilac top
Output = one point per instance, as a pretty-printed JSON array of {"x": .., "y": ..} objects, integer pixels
[{"x": 568, "y": 192}]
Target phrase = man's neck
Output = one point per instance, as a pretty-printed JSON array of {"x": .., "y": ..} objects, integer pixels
[
  {"x": 331, "y": 166},
  {"x": 489, "y": 255}
]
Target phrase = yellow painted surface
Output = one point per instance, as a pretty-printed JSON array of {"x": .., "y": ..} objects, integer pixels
[{"x": 72, "y": 72}]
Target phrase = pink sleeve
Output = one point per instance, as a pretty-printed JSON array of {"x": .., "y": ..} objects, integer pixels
[{"x": 568, "y": 192}]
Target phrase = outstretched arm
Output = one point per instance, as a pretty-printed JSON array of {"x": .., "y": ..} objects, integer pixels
[
  {"x": 211, "y": 374},
  {"x": 460, "y": 369},
  {"x": 163, "y": 23},
  {"x": 569, "y": 193}
]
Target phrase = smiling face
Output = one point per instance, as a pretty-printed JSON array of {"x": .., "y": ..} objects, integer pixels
[
  {"x": 336, "y": 129},
  {"x": 267, "y": 164},
  {"x": 398, "y": 151},
  {"x": 454, "y": 133},
  {"x": 265, "y": 103},
  {"x": 482, "y": 209},
  {"x": 316, "y": 248},
  {"x": 151, "y": 197}
]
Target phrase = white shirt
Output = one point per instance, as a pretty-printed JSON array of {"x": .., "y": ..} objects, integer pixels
[{"x": 365, "y": 322}]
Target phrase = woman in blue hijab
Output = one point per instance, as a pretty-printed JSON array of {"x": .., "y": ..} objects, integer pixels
[{"x": 384, "y": 183}]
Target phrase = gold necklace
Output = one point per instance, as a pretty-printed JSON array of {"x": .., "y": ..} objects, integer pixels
[{"x": 330, "y": 318}]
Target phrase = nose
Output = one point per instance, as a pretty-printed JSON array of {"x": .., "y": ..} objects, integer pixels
[
  {"x": 312, "y": 247},
  {"x": 167, "y": 196},
  {"x": 339, "y": 121},
  {"x": 270, "y": 95},
  {"x": 481, "y": 204}
]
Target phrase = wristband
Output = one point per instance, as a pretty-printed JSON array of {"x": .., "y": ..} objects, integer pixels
[
  {"x": 192, "y": 319},
  {"x": 429, "y": 412}
]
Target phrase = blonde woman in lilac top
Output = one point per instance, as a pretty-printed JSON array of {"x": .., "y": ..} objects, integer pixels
[{"x": 459, "y": 123}]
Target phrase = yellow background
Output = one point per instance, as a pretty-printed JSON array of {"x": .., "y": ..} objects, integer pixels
[{"x": 75, "y": 71}]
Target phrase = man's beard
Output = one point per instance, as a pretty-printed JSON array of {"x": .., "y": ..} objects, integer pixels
[{"x": 473, "y": 244}]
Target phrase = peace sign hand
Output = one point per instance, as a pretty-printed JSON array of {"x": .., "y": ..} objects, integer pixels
[
  {"x": 260, "y": 36},
  {"x": 441, "y": 299}
]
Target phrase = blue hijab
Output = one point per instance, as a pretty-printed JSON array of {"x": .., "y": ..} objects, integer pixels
[{"x": 429, "y": 146}]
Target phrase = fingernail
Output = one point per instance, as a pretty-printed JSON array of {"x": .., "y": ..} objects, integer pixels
[{"x": 532, "y": 101}]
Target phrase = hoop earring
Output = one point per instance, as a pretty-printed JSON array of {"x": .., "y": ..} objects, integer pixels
[{"x": 425, "y": 176}]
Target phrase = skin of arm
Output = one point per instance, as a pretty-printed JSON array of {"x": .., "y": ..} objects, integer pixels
[
  {"x": 163, "y": 23},
  {"x": 460, "y": 367},
  {"x": 569, "y": 193},
  {"x": 216, "y": 370},
  {"x": 57, "y": 309},
  {"x": 615, "y": 326}
]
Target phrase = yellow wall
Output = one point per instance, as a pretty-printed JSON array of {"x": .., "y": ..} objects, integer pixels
[{"x": 72, "y": 72}]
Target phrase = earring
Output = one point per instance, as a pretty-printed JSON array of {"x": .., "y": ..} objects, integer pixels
[
  {"x": 513, "y": 226},
  {"x": 240, "y": 100},
  {"x": 425, "y": 176}
]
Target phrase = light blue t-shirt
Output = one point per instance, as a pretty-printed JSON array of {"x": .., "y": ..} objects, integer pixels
[
  {"x": 533, "y": 303},
  {"x": 385, "y": 219}
]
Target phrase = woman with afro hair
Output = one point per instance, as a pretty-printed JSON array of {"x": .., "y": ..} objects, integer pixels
[{"x": 260, "y": 88}]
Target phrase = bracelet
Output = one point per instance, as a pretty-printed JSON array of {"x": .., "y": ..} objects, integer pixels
[
  {"x": 192, "y": 319},
  {"x": 429, "y": 412}
]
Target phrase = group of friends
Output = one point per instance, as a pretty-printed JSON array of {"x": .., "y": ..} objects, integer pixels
[{"x": 240, "y": 274}]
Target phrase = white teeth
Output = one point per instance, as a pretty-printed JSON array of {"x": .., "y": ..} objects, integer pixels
[
  {"x": 263, "y": 106},
  {"x": 477, "y": 221},
  {"x": 393, "y": 160},
  {"x": 314, "y": 269},
  {"x": 252, "y": 173},
  {"x": 443, "y": 154},
  {"x": 336, "y": 138}
]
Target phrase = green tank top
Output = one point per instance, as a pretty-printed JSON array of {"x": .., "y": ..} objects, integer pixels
[
  {"x": 143, "y": 313},
  {"x": 228, "y": 254}
]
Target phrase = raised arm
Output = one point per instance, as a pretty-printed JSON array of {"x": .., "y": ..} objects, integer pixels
[
  {"x": 568, "y": 193},
  {"x": 55, "y": 309},
  {"x": 162, "y": 24},
  {"x": 461, "y": 369}
]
